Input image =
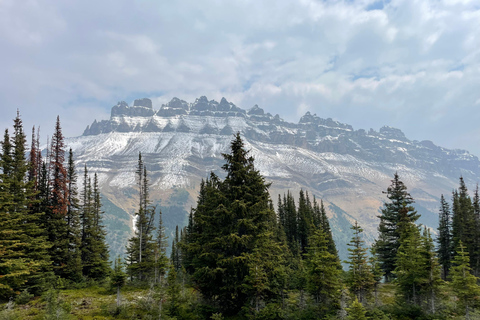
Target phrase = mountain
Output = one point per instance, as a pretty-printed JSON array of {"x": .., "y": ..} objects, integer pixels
[{"x": 181, "y": 143}]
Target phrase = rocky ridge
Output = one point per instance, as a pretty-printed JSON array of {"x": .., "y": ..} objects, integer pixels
[{"x": 182, "y": 142}]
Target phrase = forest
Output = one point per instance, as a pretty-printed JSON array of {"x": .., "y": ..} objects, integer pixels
[{"x": 241, "y": 256}]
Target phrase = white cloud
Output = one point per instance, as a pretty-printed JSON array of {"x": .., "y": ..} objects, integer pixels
[{"x": 414, "y": 64}]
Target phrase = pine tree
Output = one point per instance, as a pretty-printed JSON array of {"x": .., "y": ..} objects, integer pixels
[
  {"x": 323, "y": 271},
  {"x": 360, "y": 277},
  {"x": 444, "y": 239},
  {"x": 463, "y": 283},
  {"x": 389, "y": 228}
]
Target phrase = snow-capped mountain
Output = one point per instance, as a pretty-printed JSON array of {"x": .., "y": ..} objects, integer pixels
[{"x": 181, "y": 143}]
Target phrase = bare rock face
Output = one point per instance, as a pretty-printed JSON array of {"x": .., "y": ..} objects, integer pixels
[{"x": 182, "y": 142}]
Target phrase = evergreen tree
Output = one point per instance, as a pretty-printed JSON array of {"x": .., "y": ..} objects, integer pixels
[
  {"x": 99, "y": 265},
  {"x": 356, "y": 311},
  {"x": 175, "y": 255},
  {"x": 325, "y": 224},
  {"x": 389, "y": 229},
  {"x": 56, "y": 216},
  {"x": 118, "y": 278},
  {"x": 463, "y": 283},
  {"x": 410, "y": 264},
  {"x": 94, "y": 250},
  {"x": 323, "y": 271},
  {"x": 376, "y": 271},
  {"x": 475, "y": 258},
  {"x": 360, "y": 277},
  {"x": 444, "y": 238},
  {"x": 230, "y": 219},
  {"x": 161, "y": 259},
  {"x": 304, "y": 221},
  {"x": 432, "y": 272},
  {"x": 141, "y": 247},
  {"x": 74, "y": 263},
  {"x": 463, "y": 219},
  {"x": 14, "y": 269}
]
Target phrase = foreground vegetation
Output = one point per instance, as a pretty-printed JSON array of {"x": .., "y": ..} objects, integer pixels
[{"x": 238, "y": 258}]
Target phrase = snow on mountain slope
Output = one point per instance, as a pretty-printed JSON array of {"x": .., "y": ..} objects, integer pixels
[{"x": 182, "y": 143}]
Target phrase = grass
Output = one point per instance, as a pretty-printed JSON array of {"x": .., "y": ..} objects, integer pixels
[{"x": 90, "y": 303}]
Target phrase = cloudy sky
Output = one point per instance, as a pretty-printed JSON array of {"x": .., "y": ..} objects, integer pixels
[{"x": 414, "y": 65}]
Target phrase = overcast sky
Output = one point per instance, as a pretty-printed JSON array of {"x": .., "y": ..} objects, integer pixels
[{"x": 414, "y": 65}]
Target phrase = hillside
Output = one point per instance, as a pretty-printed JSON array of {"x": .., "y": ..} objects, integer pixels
[{"x": 182, "y": 142}]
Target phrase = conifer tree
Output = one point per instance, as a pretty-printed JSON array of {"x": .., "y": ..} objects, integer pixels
[
  {"x": 94, "y": 249},
  {"x": 445, "y": 249},
  {"x": 161, "y": 259},
  {"x": 74, "y": 262},
  {"x": 99, "y": 265},
  {"x": 56, "y": 216},
  {"x": 463, "y": 283},
  {"x": 304, "y": 221},
  {"x": 118, "y": 278},
  {"x": 175, "y": 255},
  {"x": 409, "y": 269},
  {"x": 323, "y": 271},
  {"x": 325, "y": 224},
  {"x": 356, "y": 311},
  {"x": 22, "y": 242},
  {"x": 360, "y": 277},
  {"x": 376, "y": 271},
  {"x": 463, "y": 219},
  {"x": 13, "y": 267},
  {"x": 141, "y": 247},
  {"x": 432, "y": 272},
  {"x": 389, "y": 228},
  {"x": 230, "y": 218},
  {"x": 475, "y": 258}
]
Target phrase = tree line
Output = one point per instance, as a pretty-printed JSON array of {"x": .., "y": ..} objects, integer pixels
[
  {"x": 49, "y": 230},
  {"x": 238, "y": 257}
]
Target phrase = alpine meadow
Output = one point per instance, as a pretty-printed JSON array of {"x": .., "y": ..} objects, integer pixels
[{"x": 242, "y": 254}]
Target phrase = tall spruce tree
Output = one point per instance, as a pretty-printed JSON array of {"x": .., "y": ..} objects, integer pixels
[
  {"x": 23, "y": 261},
  {"x": 475, "y": 258},
  {"x": 74, "y": 262},
  {"x": 323, "y": 273},
  {"x": 463, "y": 219},
  {"x": 56, "y": 215},
  {"x": 389, "y": 228},
  {"x": 230, "y": 219},
  {"x": 432, "y": 273},
  {"x": 141, "y": 247},
  {"x": 360, "y": 278},
  {"x": 99, "y": 263},
  {"x": 464, "y": 284},
  {"x": 445, "y": 249},
  {"x": 161, "y": 259}
]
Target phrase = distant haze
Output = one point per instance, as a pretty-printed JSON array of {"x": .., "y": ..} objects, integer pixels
[{"x": 414, "y": 65}]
